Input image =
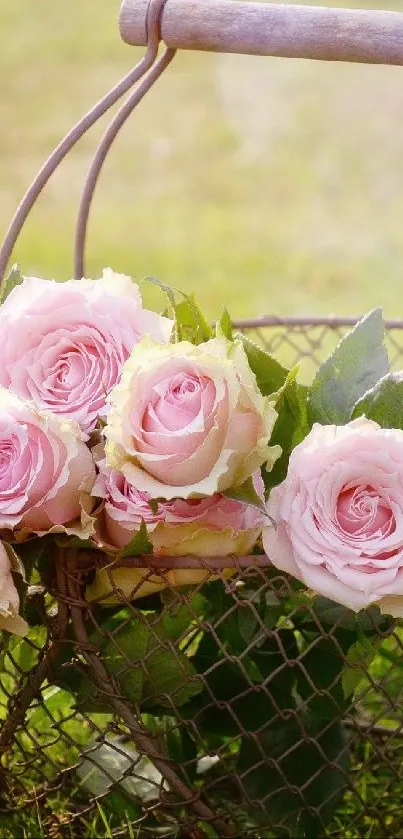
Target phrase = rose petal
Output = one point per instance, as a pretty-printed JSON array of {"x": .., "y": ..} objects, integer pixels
[{"x": 339, "y": 514}]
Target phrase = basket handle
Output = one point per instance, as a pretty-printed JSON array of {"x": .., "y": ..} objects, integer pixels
[
  {"x": 356, "y": 35},
  {"x": 152, "y": 40}
]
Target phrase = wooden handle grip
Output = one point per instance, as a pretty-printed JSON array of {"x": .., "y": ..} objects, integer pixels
[{"x": 372, "y": 37}]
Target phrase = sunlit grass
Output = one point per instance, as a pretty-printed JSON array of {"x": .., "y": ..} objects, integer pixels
[{"x": 268, "y": 185}]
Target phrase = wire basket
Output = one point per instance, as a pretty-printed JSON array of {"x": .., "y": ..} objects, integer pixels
[{"x": 267, "y": 722}]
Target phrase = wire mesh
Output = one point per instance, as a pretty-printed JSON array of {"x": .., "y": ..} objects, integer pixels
[
  {"x": 308, "y": 341},
  {"x": 266, "y": 720}
]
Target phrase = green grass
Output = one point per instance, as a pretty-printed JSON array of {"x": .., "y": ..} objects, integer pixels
[{"x": 268, "y": 185}]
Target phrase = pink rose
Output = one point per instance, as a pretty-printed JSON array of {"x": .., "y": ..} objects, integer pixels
[
  {"x": 46, "y": 471},
  {"x": 214, "y": 526},
  {"x": 208, "y": 527},
  {"x": 124, "y": 507},
  {"x": 339, "y": 515},
  {"x": 74, "y": 341},
  {"x": 9, "y": 599},
  {"x": 189, "y": 420}
]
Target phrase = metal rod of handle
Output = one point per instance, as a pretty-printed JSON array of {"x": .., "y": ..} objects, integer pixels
[
  {"x": 152, "y": 40},
  {"x": 59, "y": 153},
  {"x": 356, "y": 35},
  {"x": 102, "y": 151}
]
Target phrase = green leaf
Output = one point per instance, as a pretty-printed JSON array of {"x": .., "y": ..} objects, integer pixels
[
  {"x": 247, "y": 624},
  {"x": 270, "y": 374},
  {"x": 171, "y": 679},
  {"x": 55, "y": 703},
  {"x": 265, "y": 603},
  {"x": 234, "y": 625},
  {"x": 229, "y": 672},
  {"x": 369, "y": 620},
  {"x": 290, "y": 428},
  {"x": 229, "y": 703},
  {"x": 299, "y": 397},
  {"x": 77, "y": 679},
  {"x": 16, "y": 563},
  {"x": 193, "y": 325},
  {"x": 319, "y": 679},
  {"x": 153, "y": 504},
  {"x": 140, "y": 545},
  {"x": 177, "y": 618},
  {"x": 358, "y": 362},
  {"x": 247, "y": 494},
  {"x": 291, "y": 405},
  {"x": 190, "y": 323},
  {"x": 170, "y": 293},
  {"x": 139, "y": 653},
  {"x": 300, "y": 754},
  {"x": 384, "y": 402},
  {"x": 224, "y": 325},
  {"x": 13, "y": 279},
  {"x": 181, "y": 749},
  {"x": 287, "y": 384},
  {"x": 119, "y": 804},
  {"x": 209, "y": 830},
  {"x": 24, "y": 652},
  {"x": 358, "y": 658},
  {"x": 148, "y": 667}
]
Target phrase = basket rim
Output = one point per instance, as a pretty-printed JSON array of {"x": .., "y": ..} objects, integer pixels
[{"x": 330, "y": 321}]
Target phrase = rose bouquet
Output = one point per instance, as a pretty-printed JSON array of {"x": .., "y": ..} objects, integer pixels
[
  {"x": 133, "y": 442},
  {"x": 130, "y": 430},
  {"x": 114, "y": 426}
]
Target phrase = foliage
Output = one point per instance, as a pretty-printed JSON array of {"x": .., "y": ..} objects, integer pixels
[
  {"x": 357, "y": 364},
  {"x": 13, "y": 279}
]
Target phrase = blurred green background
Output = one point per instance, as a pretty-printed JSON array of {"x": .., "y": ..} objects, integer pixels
[{"x": 267, "y": 185}]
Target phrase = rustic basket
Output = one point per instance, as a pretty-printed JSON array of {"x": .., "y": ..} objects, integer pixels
[{"x": 194, "y": 771}]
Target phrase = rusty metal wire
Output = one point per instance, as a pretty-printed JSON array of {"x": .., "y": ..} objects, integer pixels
[
  {"x": 102, "y": 151},
  {"x": 308, "y": 341},
  {"x": 173, "y": 791},
  {"x": 88, "y": 120}
]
